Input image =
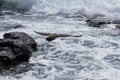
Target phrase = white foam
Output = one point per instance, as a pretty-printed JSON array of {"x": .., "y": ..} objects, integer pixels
[{"x": 78, "y": 6}]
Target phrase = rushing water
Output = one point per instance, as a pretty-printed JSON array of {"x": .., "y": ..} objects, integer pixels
[{"x": 95, "y": 56}]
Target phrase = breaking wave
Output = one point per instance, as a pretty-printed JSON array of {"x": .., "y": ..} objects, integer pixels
[
  {"x": 64, "y": 6},
  {"x": 16, "y": 5},
  {"x": 95, "y": 56},
  {"x": 77, "y": 6}
]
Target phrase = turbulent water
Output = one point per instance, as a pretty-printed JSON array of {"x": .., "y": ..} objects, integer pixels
[{"x": 94, "y": 56}]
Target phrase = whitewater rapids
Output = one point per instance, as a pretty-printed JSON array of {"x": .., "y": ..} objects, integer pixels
[{"x": 95, "y": 56}]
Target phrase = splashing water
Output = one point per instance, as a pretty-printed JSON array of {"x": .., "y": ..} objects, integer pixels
[
  {"x": 78, "y": 6},
  {"x": 95, "y": 56}
]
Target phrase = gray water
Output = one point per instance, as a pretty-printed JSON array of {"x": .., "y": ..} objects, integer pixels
[{"x": 94, "y": 56}]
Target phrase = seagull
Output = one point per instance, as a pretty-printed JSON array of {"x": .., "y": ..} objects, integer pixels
[{"x": 53, "y": 36}]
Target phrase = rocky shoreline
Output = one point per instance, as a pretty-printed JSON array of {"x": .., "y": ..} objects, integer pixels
[{"x": 99, "y": 22}]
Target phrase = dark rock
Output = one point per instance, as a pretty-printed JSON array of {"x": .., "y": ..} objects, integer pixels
[
  {"x": 117, "y": 26},
  {"x": 16, "y": 47},
  {"x": 6, "y": 56},
  {"x": 116, "y": 21},
  {"x": 97, "y": 22},
  {"x": 7, "y": 26}
]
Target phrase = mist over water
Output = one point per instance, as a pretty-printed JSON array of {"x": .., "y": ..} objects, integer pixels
[{"x": 95, "y": 56}]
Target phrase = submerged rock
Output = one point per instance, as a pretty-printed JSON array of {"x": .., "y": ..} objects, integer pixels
[
  {"x": 16, "y": 47},
  {"x": 73, "y": 16},
  {"x": 116, "y": 21},
  {"x": 7, "y": 26},
  {"x": 117, "y": 26},
  {"x": 8, "y": 13},
  {"x": 53, "y": 36},
  {"x": 97, "y": 22}
]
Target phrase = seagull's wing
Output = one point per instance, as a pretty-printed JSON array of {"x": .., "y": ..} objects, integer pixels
[
  {"x": 43, "y": 33},
  {"x": 66, "y": 35},
  {"x": 78, "y": 36},
  {"x": 62, "y": 35}
]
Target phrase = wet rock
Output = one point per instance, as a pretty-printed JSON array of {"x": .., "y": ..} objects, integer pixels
[
  {"x": 113, "y": 60},
  {"x": 117, "y": 26},
  {"x": 97, "y": 22},
  {"x": 23, "y": 37},
  {"x": 116, "y": 21},
  {"x": 7, "y": 26},
  {"x": 16, "y": 47},
  {"x": 6, "y": 55}
]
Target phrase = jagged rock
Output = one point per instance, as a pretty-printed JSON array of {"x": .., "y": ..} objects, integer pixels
[
  {"x": 23, "y": 37},
  {"x": 7, "y": 26},
  {"x": 97, "y": 22},
  {"x": 16, "y": 47},
  {"x": 117, "y": 26}
]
